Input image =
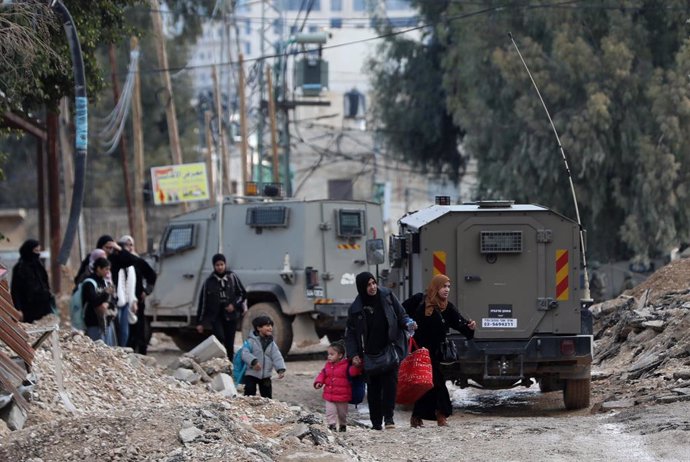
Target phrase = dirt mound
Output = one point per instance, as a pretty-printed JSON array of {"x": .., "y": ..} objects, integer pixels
[
  {"x": 128, "y": 408},
  {"x": 670, "y": 278}
]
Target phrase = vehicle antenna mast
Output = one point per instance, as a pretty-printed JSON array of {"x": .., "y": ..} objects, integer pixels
[{"x": 567, "y": 169}]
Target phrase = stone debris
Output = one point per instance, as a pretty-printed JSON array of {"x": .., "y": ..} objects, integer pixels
[
  {"x": 129, "y": 408},
  {"x": 642, "y": 341}
]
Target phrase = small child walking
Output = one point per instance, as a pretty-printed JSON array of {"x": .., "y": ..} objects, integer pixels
[
  {"x": 262, "y": 356},
  {"x": 337, "y": 390}
]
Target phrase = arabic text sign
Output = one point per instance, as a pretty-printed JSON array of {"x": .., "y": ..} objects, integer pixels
[{"x": 172, "y": 184}]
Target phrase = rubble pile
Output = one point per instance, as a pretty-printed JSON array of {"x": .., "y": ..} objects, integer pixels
[
  {"x": 129, "y": 408},
  {"x": 642, "y": 341}
]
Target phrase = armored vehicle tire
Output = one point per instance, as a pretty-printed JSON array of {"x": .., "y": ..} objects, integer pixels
[
  {"x": 282, "y": 326},
  {"x": 576, "y": 393}
]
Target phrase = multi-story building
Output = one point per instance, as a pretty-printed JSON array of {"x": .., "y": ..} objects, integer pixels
[{"x": 334, "y": 149}]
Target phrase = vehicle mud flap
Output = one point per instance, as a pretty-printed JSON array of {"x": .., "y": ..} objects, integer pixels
[{"x": 503, "y": 364}]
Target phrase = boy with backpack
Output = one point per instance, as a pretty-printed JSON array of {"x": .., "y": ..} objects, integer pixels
[{"x": 261, "y": 356}]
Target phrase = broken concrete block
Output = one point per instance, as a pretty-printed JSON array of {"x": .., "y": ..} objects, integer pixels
[
  {"x": 185, "y": 375},
  {"x": 620, "y": 404},
  {"x": 656, "y": 325},
  {"x": 14, "y": 416},
  {"x": 208, "y": 349},
  {"x": 683, "y": 374},
  {"x": 187, "y": 435},
  {"x": 223, "y": 384}
]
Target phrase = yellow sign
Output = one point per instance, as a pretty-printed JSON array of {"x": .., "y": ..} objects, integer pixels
[{"x": 172, "y": 184}]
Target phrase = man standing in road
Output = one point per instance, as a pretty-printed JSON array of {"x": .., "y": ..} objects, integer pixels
[{"x": 221, "y": 303}]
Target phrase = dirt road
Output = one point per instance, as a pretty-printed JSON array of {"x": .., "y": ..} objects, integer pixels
[{"x": 508, "y": 425}]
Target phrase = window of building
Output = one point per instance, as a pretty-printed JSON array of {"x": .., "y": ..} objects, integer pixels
[
  {"x": 278, "y": 26},
  {"x": 313, "y": 29},
  {"x": 297, "y": 5},
  {"x": 336, "y": 23},
  {"x": 247, "y": 48},
  {"x": 359, "y": 5},
  {"x": 336, "y": 5},
  {"x": 340, "y": 189},
  {"x": 397, "y": 4},
  {"x": 247, "y": 26}
]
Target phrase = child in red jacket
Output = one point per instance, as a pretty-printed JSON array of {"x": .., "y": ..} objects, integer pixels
[{"x": 337, "y": 390}]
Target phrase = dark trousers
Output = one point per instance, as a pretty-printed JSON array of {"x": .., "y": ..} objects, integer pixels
[
  {"x": 265, "y": 386},
  {"x": 138, "y": 339},
  {"x": 381, "y": 390},
  {"x": 225, "y": 330},
  {"x": 435, "y": 400}
]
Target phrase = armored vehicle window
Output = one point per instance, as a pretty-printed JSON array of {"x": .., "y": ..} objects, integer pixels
[
  {"x": 501, "y": 242},
  {"x": 350, "y": 223},
  {"x": 261, "y": 217},
  {"x": 179, "y": 237}
]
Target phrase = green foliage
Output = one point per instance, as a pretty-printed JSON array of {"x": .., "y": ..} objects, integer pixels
[
  {"x": 409, "y": 101},
  {"x": 615, "y": 83}
]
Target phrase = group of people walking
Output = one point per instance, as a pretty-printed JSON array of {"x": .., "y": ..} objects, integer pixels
[
  {"x": 114, "y": 283},
  {"x": 378, "y": 325}
]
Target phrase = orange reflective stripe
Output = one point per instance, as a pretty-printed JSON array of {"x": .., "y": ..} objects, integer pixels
[
  {"x": 439, "y": 263},
  {"x": 562, "y": 275}
]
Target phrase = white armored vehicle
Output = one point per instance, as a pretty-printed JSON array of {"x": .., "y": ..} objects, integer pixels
[{"x": 297, "y": 259}]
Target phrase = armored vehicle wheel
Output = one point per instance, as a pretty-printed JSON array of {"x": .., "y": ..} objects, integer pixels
[
  {"x": 576, "y": 393},
  {"x": 282, "y": 326}
]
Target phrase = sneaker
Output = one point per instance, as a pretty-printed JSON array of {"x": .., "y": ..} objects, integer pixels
[
  {"x": 377, "y": 427},
  {"x": 331, "y": 427},
  {"x": 343, "y": 428},
  {"x": 390, "y": 426},
  {"x": 441, "y": 419}
]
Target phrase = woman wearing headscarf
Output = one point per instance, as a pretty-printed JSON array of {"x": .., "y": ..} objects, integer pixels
[
  {"x": 434, "y": 315},
  {"x": 375, "y": 320},
  {"x": 30, "y": 288}
]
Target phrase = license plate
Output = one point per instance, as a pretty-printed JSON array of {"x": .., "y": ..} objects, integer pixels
[
  {"x": 316, "y": 292},
  {"x": 499, "y": 323}
]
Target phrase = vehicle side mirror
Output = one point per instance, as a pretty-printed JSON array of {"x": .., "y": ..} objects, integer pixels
[{"x": 376, "y": 253}]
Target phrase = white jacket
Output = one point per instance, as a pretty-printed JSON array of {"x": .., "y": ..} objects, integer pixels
[{"x": 126, "y": 286}]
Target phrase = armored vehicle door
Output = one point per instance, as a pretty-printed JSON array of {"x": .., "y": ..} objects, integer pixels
[
  {"x": 502, "y": 276},
  {"x": 344, "y": 251},
  {"x": 182, "y": 254}
]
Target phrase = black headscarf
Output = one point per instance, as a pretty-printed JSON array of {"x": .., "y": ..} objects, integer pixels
[
  {"x": 362, "y": 281},
  {"x": 103, "y": 240},
  {"x": 26, "y": 251}
]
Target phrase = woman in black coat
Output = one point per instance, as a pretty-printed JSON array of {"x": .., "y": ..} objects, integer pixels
[
  {"x": 30, "y": 289},
  {"x": 434, "y": 316}
]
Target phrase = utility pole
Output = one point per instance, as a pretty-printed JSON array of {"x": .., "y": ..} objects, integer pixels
[
  {"x": 210, "y": 164},
  {"x": 53, "y": 199},
  {"x": 243, "y": 123},
  {"x": 123, "y": 142},
  {"x": 272, "y": 120},
  {"x": 170, "y": 114},
  {"x": 223, "y": 152},
  {"x": 140, "y": 218},
  {"x": 256, "y": 170}
]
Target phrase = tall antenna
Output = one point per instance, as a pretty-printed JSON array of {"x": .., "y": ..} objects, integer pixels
[{"x": 567, "y": 169}]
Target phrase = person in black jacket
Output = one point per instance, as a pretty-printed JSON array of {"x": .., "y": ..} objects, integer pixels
[
  {"x": 139, "y": 335},
  {"x": 99, "y": 310},
  {"x": 434, "y": 315},
  {"x": 30, "y": 288},
  {"x": 374, "y": 320},
  {"x": 221, "y": 303}
]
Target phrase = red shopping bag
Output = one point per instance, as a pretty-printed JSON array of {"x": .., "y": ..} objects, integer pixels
[{"x": 415, "y": 376}]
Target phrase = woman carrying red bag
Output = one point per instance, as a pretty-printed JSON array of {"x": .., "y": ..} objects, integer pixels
[{"x": 434, "y": 316}]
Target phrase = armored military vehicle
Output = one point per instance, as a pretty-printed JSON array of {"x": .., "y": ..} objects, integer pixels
[
  {"x": 515, "y": 269},
  {"x": 297, "y": 260}
]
